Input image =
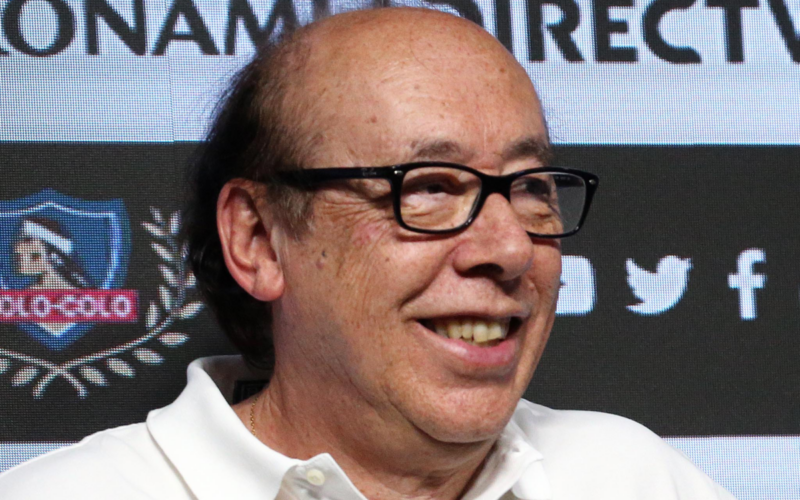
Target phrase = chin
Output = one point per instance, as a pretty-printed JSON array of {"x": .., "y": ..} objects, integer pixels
[{"x": 461, "y": 423}]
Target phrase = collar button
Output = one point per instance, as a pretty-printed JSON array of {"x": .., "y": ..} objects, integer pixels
[{"x": 315, "y": 477}]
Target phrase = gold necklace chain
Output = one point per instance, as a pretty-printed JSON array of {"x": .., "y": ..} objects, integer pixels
[{"x": 253, "y": 414}]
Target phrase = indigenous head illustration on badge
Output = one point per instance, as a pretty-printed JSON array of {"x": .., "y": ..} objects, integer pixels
[
  {"x": 376, "y": 222},
  {"x": 43, "y": 250},
  {"x": 60, "y": 255}
]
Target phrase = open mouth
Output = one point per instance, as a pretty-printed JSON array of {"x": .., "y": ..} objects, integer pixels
[{"x": 481, "y": 332}]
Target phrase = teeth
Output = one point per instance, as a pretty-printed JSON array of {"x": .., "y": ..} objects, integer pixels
[
  {"x": 496, "y": 331},
  {"x": 480, "y": 332},
  {"x": 467, "y": 330},
  {"x": 472, "y": 331}
]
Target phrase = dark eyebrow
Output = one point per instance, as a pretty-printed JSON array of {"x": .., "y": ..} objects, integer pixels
[
  {"x": 439, "y": 149},
  {"x": 528, "y": 147}
]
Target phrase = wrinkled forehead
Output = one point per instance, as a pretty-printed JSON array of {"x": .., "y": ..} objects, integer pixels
[{"x": 393, "y": 67}]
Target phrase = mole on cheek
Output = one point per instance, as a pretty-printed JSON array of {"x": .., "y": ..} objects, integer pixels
[{"x": 321, "y": 261}]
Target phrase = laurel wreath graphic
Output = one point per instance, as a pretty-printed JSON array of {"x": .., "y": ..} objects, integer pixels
[{"x": 173, "y": 306}]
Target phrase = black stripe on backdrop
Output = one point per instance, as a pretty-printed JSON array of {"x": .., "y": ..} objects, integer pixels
[
  {"x": 697, "y": 368},
  {"x": 694, "y": 369}
]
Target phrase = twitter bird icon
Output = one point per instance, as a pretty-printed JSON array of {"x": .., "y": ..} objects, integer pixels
[{"x": 660, "y": 290}]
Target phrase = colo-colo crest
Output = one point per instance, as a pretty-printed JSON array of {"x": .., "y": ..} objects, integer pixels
[{"x": 63, "y": 264}]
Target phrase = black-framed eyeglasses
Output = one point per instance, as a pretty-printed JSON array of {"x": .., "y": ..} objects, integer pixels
[{"x": 440, "y": 197}]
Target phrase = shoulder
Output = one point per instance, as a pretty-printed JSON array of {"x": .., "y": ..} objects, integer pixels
[
  {"x": 122, "y": 463},
  {"x": 594, "y": 451}
]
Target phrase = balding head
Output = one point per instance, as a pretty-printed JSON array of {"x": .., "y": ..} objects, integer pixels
[
  {"x": 355, "y": 63},
  {"x": 389, "y": 33},
  {"x": 364, "y": 88}
]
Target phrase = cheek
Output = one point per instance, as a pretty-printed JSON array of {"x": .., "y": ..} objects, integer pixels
[
  {"x": 545, "y": 274},
  {"x": 376, "y": 270},
  {"x": 395, "y": 267},
  {"x": 366, "y": 236},
  {"x": 354, "y": 266}
]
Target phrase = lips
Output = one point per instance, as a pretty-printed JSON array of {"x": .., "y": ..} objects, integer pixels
[{"x": 485, "y": 357}]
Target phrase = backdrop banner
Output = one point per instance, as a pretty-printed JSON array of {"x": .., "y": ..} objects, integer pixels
[
  {"x": 609, "y": 72},
  {"x": 680, "y": 298}
]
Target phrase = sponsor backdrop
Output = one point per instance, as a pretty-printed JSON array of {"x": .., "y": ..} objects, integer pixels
[{"x": 680, "y": 302}]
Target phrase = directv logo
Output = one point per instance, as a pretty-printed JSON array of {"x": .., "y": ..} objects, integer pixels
[{"x": 661, "y": 290}]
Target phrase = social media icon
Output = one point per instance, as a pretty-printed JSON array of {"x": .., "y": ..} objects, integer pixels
[
  {"x": 746, "y": 281},
  {"x": 577, "y": 294},
  {"x": 660, "y": 290}
]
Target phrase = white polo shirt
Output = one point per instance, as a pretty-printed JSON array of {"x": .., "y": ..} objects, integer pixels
[{"x": 197, "y": 448}]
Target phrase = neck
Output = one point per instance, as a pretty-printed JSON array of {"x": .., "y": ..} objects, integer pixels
[{"x": 382, "y": 458}]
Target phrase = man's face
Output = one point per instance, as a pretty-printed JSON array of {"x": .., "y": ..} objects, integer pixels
[{"x": 362, "y": 294}]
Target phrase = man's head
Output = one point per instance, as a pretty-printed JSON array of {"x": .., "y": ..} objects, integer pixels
[{"x": 354, "y": 298}]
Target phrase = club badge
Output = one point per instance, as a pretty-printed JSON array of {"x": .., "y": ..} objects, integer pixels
[{"x": 63, "y": 265}]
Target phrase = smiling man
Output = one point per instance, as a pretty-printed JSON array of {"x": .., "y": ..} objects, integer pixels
[{"x": 377, "y": 223}]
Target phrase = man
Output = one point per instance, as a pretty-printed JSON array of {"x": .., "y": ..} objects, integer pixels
[{"x": 407, "y": 305}]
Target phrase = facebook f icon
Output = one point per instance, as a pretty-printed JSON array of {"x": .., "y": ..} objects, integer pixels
[{"x": 746, "y": 281}]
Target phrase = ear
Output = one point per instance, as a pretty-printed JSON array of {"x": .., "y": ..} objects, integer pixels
[{"x": 250, "y": 238}]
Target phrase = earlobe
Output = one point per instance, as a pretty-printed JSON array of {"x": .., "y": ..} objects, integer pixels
[{"x": 249, "y": 237}]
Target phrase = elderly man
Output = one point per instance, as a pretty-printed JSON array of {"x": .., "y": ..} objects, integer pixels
[{"x": 387, "y": 244}]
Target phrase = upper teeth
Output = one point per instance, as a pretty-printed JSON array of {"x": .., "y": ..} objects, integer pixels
[{"x": 477, "y": 331}]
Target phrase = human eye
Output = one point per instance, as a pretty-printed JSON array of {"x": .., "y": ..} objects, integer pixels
[
  {"x": 437, "y": 197},
  {"x": 535, "y": 189}
]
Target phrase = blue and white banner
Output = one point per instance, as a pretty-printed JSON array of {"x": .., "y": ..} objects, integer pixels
[{"x": 608, "y": 71}]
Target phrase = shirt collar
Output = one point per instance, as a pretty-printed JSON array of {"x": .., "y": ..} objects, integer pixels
[
  {"x": 514, "y": 464},
  {"x": 218, "y": 457},
  {"x": 214, "y": 453}
]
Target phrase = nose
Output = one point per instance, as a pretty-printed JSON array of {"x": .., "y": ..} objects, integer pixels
[{"x": 495, "y": 244}]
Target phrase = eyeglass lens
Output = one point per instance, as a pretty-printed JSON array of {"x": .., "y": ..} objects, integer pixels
[{"x": 442, "y": 198}]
